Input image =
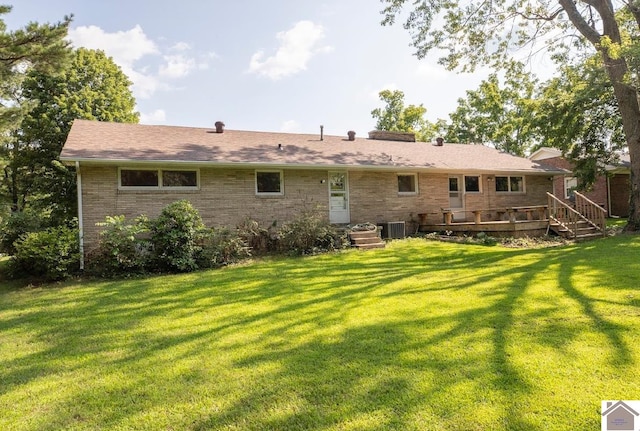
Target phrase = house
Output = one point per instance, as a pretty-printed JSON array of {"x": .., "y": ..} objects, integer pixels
[
  {"x": 619, "y": 416},
  {"x": 611, "y": 192},
  {"x": 230, "y": 175}
]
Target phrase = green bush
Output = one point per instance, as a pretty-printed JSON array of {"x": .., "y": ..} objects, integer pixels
[
  {"x": 259, "y": 239},
  {"x": 174, "y": 237},
  {"x": 51, "y": 254},
  {"x": 309, "y": 233},
  {"x": 221, "y": 247},
  {"x": 123, "y": 248},
  {"x": 17, "y": 225}
]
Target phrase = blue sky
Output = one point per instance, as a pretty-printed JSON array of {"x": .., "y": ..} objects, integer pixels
[{"x": 281, "y": 65}]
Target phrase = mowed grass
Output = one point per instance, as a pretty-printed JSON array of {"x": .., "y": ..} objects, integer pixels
[{"x": 422, "y": 335}]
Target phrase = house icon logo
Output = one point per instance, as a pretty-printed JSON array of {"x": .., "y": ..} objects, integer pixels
[{"x": 620, "y": 415}]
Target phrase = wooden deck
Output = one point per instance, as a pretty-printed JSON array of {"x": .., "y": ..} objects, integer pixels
[{"x": 512, "y": 221}]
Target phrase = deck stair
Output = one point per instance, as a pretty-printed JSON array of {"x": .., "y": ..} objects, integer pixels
[
  {"x": 366, "y": 237},
  {"x": 586, "y": 221}
]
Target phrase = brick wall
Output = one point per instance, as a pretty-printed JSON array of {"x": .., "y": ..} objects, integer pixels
[
  {"x": 227, "y": 196},
  {"x": 618, "y": 187}
]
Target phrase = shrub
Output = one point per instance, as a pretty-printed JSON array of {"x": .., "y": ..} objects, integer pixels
[
  {"x": 17, "y": 225},
  {"x": 174, "y": 237},
  {"x": 123, "y": 248},
  {"x": 259, "y": 239},
  {"x": 221, "y": 247},
  {"x": 52, "y": 254},
  {"x": 309, "y": 233}
]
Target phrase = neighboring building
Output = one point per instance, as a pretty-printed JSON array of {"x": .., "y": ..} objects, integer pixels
[
  {"x": 611, "y": 192},
  {"x": 230, "y": 175}
]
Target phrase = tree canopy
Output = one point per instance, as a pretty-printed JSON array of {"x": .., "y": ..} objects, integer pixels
[
  {"x": 40, "y": 47},
  {"x": 396, "y": 117},
  {"x": 91, "y": 87},
  {"x": 471, "y": 33},
  {"x": 577, "y": 113},
  {"x": 497, "y": 113}
]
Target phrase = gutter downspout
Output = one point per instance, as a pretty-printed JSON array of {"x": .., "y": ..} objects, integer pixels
[
  {"x": 80, "y": 222},
  {"x": 609, "y": 196}
]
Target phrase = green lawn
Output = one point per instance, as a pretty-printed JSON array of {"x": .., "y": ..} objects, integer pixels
[{"x": 422, "y": 335}]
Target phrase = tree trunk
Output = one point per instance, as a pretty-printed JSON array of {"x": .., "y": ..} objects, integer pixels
[
  {"x": 627, "y": 98},
  {"x": 626, "y": 95}
]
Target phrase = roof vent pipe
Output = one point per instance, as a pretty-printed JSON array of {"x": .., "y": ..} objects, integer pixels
[
  {"x": 352, "y": 135},
  {"x": 321, "y": 132},
  {"x": 219, "y": 127},
  {"x": 439, "y": 142}
]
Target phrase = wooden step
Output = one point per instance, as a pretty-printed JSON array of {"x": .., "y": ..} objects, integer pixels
[
  {"x": 362, "y": 241},
  {"x": 380, "y": 244},
  {"x": 364, "y": 234},
  {"x": 366, "y": 239}
]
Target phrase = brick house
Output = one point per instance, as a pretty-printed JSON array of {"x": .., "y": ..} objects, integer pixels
[
  {"x": 611, "y": 192},
  {"x": 229, "y": 175}
]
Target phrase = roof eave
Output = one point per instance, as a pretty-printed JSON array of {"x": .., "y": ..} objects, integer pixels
[{"x": 336, "y": 166}]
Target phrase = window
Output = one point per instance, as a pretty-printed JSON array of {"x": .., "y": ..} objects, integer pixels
[
  {"x": 407, "y": 184},
  {"x": 472, "y": 183},
  {"x": 158, "y": 178},
  {"x": 509, "y": 184},
  {"x": 138, "y": 178},
  {"x": 570, "y": 186},
  {"x": 269, "y": 183},
  {"x": 179, "y": 179}
]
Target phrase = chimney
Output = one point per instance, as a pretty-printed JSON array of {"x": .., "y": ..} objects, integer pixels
[
  {"x": 439, "y": 141},
  {"x": 219, "y": 127},
  {"x": 321, "y": 132},
  {"x": 352, "y": 135}
]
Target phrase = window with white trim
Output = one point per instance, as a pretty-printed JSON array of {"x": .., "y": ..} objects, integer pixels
[
  {"x": 158, "y": 178},
  {"x": 570, "y": 186},
  {"x": 269, "y": 183},
  {"x": 472, "y": 183},
  {"x": 509, "y": 184},
  {"x": 407, "y": 184}
]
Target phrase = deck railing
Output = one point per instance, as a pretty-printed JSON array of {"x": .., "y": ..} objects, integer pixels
[
  {"x": 570, "y": 218},
  {"x": 595, "y": 214}
]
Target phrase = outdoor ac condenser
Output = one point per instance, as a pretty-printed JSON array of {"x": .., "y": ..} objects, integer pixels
[{"x": 393, "y": 230}]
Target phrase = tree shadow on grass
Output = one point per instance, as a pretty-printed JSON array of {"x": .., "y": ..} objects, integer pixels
[{"x": 287, "y": 331}]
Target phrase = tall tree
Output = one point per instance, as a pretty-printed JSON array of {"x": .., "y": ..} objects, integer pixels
[
  {"x": 577, "y": 113},
  {"x": 92, "y": 87},
  {"x": 497, "y": 113},
  {"x": 473, "y": 33},
  {"x": 40, "y": 47},
  {"x": 396, "y": 117}
]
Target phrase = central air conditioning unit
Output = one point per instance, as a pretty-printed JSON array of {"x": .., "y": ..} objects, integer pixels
[{"x": 393, "y": 230}]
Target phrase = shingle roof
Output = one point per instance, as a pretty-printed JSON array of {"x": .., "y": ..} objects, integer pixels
[{"x": 93, "y": 141}]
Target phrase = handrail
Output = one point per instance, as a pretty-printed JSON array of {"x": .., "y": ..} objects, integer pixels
[
  {"x": 563, "y": 214},
  {"x": 594, "y": 213},
  {"x": 568, "y": 217}
]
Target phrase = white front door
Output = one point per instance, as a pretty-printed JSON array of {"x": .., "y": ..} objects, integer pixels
[
  {"x": 339, "y": 197},
  {"x": 455, "y": 191}
]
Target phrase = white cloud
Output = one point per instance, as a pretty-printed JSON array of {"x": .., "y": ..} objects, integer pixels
[
  {"x": 432, "y": 71},
  {"x": 125, "y": 47},
  {"x": 297, "y": 46},
  {"x": 375, "y": 94},
  {"x": 155, "y": 117},
  {"x": 177, "y": 66},
  {"x": 181, "y": 46},
  {"x": 131, "y": 50},
  {"x": 290, "y": 126}
]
